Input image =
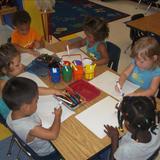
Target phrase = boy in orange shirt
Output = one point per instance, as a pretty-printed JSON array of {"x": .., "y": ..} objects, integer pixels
[{"x": 24, "y": 37}]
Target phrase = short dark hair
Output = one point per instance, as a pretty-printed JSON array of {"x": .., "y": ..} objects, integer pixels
[
  {"x": 97, "y": 27},
  {"x": 139, "y": 112},
  {"x": 21, "y": 17},
  {"x": 7, "y": 53},
  {"x": 18, "y": 91}
]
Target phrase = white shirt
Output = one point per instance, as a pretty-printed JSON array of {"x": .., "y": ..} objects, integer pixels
[{"x": 129, "y": 149}]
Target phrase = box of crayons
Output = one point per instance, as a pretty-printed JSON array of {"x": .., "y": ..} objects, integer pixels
[{"x": 71, "y": 99}]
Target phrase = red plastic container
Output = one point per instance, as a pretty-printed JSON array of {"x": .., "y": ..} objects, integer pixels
[{"x": 85, "y": 89}]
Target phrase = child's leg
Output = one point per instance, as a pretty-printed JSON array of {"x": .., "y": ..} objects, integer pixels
[
  {"x": 54, "y": 155},
  {"x": 103, "y": 155}
]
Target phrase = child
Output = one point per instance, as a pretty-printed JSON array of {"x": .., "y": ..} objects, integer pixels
[
  {"x": 10, "y": 66},
  {"x": 24, "y": 37},
  {"x": 145, "y": 67},
  {"x": 21, "y": 95},
  {"x": 142, "y": 138},
  {"x": 96, "y": 31}
]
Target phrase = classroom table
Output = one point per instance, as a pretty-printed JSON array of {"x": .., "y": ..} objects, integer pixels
[
  {"x": 149, "y": 23},
  {"x": 75, "y": 141}
]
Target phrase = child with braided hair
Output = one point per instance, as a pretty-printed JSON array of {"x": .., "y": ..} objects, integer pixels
[{"x": 142, "y": 138}]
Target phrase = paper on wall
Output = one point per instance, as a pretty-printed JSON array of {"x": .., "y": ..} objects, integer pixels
[
  {"x": 103, "y": 112},
  {"x": 107, "y": 81}
]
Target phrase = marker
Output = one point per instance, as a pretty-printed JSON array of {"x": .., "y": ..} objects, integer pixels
[
  {"x": 68, "y": 50},
  {"x": 119, "y": 87},
  {"x": 63, "y": 99}
]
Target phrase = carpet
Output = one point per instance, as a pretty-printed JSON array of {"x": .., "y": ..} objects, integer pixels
[{"x": 69, "y": 16}]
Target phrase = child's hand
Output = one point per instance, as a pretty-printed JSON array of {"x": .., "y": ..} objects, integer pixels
[
  {"x": 111, "y": 132},
  {"x": 117, "y": 89},
  {"x": 34, "y": 53},
  {"x": 59, "y": 92},
  {"x": 36, "y": 45},
  {"x": 58, "y": 111}
]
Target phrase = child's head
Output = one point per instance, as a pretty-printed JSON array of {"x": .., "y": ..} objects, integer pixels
[
  {"x": 138, "y": 113},
  {"x": 21, "y": 94},
  {"x": 22, "y": 20},
  {"x": 10, "y": 62},
  {"x": 95, "y": 29},
  {"x": 146, "y": 52}
]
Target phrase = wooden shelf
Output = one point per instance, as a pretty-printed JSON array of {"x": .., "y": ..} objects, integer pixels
[{"x": 7, "y": 10}]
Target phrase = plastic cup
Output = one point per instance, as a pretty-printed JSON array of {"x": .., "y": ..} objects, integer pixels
[
  {"x": 66, "y": 63},
  {"x": 67, "y": 73},
  {"x": 78, "y": 72},
  {"x": 89, "y": 72},
  {"x": 77, "y": 62},
  {"x": 55, "y": 74},
  {"x": 86, "y": 61}
]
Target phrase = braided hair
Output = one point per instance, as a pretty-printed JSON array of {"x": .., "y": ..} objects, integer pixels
[{"x": 139, "y": 112}]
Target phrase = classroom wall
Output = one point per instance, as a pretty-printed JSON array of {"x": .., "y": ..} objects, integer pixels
[{"x": 31, "y": 8}]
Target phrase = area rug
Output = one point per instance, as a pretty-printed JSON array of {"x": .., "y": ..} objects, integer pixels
[{"x": 70, "y": 14}]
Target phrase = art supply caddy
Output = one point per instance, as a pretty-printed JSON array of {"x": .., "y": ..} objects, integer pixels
[
  {"x": 78, "y": 93},
  {"x": 75, "y": 93}
]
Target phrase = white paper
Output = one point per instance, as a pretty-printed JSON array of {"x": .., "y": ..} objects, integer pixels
[
  {"x": 33, "y": 77},
  {"x": 45, "y": 51},
  {"x": 107, "y": 81},
  {"x": 64, "y": 54},
  {"x": 46, "y": 104},
  {"x": 103, "y": 112},
  {"x": 45, "y": 110},
  {"x": 27, "y": 58}
]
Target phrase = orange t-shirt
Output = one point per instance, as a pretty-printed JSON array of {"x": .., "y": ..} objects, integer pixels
[{"x": 27, "y": 40}]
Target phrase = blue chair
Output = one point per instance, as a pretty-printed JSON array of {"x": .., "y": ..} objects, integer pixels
[
  {"x": 24, "y": 147},
  {"x": 114, "y": 55}
]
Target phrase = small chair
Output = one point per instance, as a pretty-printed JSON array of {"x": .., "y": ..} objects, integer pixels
[
  {"x": 135, "y": 34},
  {"x": 155, "y": 154},
  {"x": 22, "y": 145},
  {"x": 114, "y": 55},
  {"x": 149, "y": 2}
]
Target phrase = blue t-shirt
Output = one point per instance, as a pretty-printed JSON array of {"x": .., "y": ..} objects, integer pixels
[
  {"x": 4, "y": 110},
  {"x": 92, "y": 51},
  {"x": 143, "y": 78}
]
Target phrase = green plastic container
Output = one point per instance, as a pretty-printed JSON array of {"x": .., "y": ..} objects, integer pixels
[{"x": 67, "y": 73}]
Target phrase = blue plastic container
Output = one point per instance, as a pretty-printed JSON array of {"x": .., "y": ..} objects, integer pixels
[{"x": 55, "y": 75}]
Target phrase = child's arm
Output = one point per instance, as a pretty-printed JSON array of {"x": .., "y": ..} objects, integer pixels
[
  {"x": 51, "y": 133},
  {"x": 77, "y": 44},
  {"x": 114, "y": 135},
  {"x": 26, "y": 50},
  {"x": 124, "y": 75},
  {"x": 2, "y": 83},
  {"x": 151, "y": 91},
  {"x": 104, "y": 54},
  {"x": 39, "y": 44},
  {"x": 49, "y": 91}
]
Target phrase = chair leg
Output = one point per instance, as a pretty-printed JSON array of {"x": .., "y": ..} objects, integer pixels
[
  {"x": 150, "y": 5},
  {"x": 126, "y": 50},
  {"x": 138, "y": 4},
  {"x": 10, "y": 146},
  {"x": 17, "y": 158}
]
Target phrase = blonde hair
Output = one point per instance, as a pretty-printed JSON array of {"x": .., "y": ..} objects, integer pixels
[{"x": 147, "y": 47}]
